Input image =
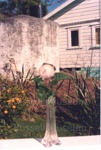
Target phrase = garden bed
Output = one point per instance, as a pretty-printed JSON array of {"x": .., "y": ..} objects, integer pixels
[{"x": 77, "y": 108}]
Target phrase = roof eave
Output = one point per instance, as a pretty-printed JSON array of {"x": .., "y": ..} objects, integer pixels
[{"x": 58, "y": 9}]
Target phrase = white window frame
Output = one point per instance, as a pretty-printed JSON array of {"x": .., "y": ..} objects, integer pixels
[
  {"x": 93, "y": 35},
  {"x": 69, "y": 30}
]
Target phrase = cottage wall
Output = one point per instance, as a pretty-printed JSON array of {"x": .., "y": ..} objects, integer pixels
[{"x": 83, "y": 14}]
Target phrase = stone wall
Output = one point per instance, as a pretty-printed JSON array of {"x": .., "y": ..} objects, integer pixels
[{"x": 28, "y": 41}]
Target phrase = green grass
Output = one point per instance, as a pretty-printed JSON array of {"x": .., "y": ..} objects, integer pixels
[
  {"x": 30, "y": 129},
  {"x": 37, "y": 129}
]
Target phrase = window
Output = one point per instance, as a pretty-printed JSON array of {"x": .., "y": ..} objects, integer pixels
[
  {"x": 95, "y": 36},
  {"x": 74, "y": 38}
]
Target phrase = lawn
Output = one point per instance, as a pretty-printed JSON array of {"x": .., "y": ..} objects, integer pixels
[{"x": 36, "y": 129}]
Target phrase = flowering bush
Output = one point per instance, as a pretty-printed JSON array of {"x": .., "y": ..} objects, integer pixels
[{"x": 13, "y": 102}]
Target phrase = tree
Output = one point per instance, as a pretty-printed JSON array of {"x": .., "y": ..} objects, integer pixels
[{"x": 16, "y": 7}]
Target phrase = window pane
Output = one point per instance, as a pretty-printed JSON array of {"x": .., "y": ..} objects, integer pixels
[
  {"x": 74, "y": 38},
  {"x": 97, "y": 35}
]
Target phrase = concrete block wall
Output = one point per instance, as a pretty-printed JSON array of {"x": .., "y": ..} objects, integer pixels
[{"x": 28, "y": 41}]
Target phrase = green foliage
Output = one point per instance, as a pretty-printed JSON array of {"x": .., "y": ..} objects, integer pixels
[
  {"x": 86, "y": 109},
  {"x": 14, "y": 96},
  {"x": 21, "y": 79},
  {"x": 58, "y": 77},
  {"x": 13, "y": 103},
  {"x": 17, "y": 7},
  {"x": 84, "y": 114},
  {"x": 61, "y": 76},
  {"x": 44, "y": 91}
]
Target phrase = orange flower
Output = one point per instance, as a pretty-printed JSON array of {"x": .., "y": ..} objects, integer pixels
[
  {"x": 22, "y": 91},
  {"x": 9, "y": 101},
  {"x": 14, "y": 107},
  {"x": 18, "y": 99},
  {"x": 8, "y": 91},
  {"x": 6, "y": 111},
  {"x": 12, "y": 100}
]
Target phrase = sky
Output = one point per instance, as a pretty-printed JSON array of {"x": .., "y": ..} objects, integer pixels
[{"x": 51, "y": 8}]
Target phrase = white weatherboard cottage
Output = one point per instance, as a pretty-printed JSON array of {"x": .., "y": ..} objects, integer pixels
[{"x": 79, "y": 34}]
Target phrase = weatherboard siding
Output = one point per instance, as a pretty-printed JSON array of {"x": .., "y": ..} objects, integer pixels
[
  {"x": 87, "y": 10},
  {"x": 83, "y": 57}
]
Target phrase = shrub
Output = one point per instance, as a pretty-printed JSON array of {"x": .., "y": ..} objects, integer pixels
[
  {"x": 81, "y": 103},
  {"x": 13, "y": 103}
]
